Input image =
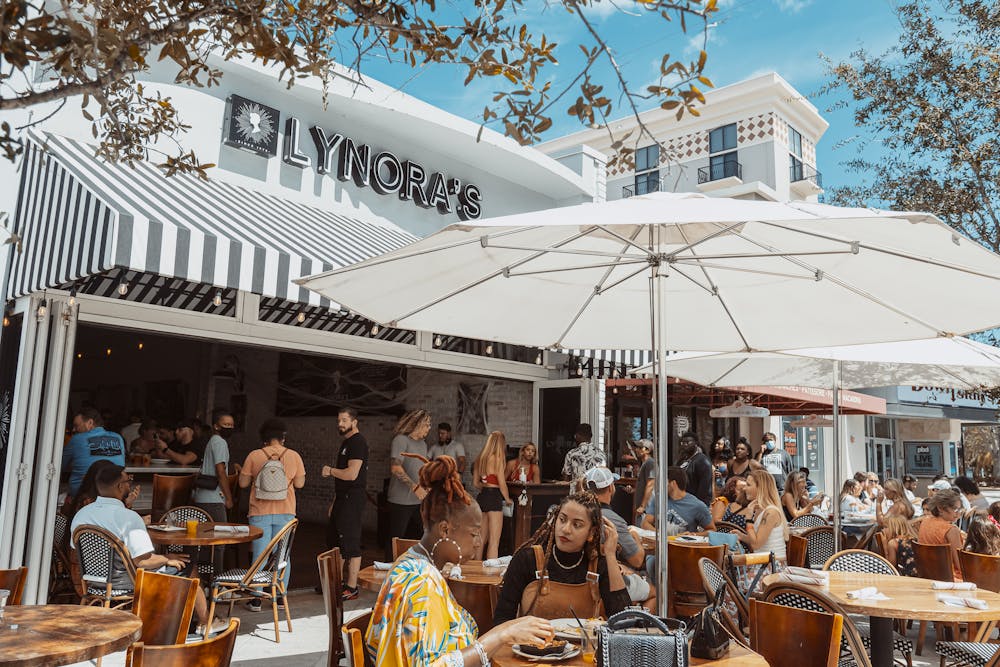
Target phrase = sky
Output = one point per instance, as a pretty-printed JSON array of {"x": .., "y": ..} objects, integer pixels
[{"x": 748, "y": 37}]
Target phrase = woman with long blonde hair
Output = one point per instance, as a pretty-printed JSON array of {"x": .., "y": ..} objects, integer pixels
[
  {"x": 769, "y": 530},
  {"x": 901, "y": 505},
  {"x": 488, "y": 477},
  {"x": 527, "y": 463}
]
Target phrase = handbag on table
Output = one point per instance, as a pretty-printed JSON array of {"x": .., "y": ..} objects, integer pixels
[
  {"x": 710, "y": 639},
  {"x": 656, "y": 645}
]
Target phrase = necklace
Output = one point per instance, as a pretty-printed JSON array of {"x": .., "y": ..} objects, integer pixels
[
  {"x": 566, "y": 567},
  {"x": 425, "y": 553}
]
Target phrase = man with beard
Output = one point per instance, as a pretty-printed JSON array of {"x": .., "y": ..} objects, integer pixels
[
  {"x": 447, "y": 447},
  {"x": 350, "y": 477}
]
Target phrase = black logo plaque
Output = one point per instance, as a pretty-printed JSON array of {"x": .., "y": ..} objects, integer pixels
[{"x": 252, "y": 126}]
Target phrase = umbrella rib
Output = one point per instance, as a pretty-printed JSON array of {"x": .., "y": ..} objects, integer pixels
[
  {"x": 756, "y": 272},
  {"x": 804, "y": 253},
  {"x": 581, "y": 267},
  {"x": 948, "y": 371},
  {"x": 710, "y": 290},
  {"x": 820, "y": 274},
  {"x": 690, "y": 245},
  {"x": 602, "y": 290},
  {"x": 595, "y": 253},
  {"x": 735, "y": 366},
  {"x": 627, "y": 241}
]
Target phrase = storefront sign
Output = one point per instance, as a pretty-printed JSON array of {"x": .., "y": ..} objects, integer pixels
[
  {"x": 253, "y": 126},
  {"x": 962, "y": 398},
  {"x": 924, "y": 459},
  {"x": 739, "y": 409}
]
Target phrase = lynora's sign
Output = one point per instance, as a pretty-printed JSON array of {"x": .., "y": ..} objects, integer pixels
[{"x": 253, "y": 126}]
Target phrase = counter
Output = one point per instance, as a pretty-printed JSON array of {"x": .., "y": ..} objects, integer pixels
[
  {"x": 143, "y": 476},
  {"x": 527, "y": 518}
]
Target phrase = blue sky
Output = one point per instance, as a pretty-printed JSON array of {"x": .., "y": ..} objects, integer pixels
[{"x": 750, "y": 37}]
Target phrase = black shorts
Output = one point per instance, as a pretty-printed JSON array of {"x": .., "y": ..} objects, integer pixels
[
  {"x": 490, "y": 499},
  {"x": 347, "y": 513}
]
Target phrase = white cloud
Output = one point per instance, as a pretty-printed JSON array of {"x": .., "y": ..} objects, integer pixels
[{"x": 792, "y": 6}]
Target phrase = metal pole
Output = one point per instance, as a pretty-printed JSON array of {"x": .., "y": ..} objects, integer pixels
[
  {"x": 662, "y": 432},
  {"x": 836, "y": 457}
]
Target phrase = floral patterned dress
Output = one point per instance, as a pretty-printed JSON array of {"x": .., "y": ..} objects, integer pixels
[{"x": 416, "y": 621}]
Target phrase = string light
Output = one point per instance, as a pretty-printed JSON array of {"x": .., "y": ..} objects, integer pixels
[
  {"x": 217, "y": 301},
  {"x": 300, "y": 318},
  {"x": 42, "y": 309},
  {"x": 437, "y": 341},
  {"x": 538, "y": 359},
  {"x": 107, "y": 352},
  {"x": 579, "y": 370},
  {"x": 6, "y": 320},
  {"x": 72, "y": 297},
  {"x": 79, "y": 355},
  {"x": 489, "y": 348},
  {"x": 123, "y": 288},
  {"x": 140, "y": 346},
  {"x": 375, "y": 330}
]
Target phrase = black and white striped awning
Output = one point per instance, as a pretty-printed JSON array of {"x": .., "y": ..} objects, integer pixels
[
  {"x": 78, "y": 215},
  {"x": 627, "y": 358}
]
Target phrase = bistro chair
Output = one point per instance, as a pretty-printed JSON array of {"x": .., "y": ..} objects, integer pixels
[
  {"x": 13, "y": 581},
  {"x": 797, "y": 551},
  {"x": 99, "y": 552},
  {"x": 61, "y": 586},
  {"x": 399, "y": 545},
  {"x": 735, "y": 610},
  {"x": 984, "y": 572},
  {"x": 685, "y": 590},
  {"x": 180, "y": 516},
  {"x": 728, "y": 527},
  {"x": 214, "y": 652},
  {"x": 331, "y": 570},
  {"x": 933, "y": 561},
  {"x": 170, "y": 491},
  {"x": 165, "y": 603},
  {"x": 262, "y": 581},
  {"x": 807, "y": 521},
  {"x": 354, "y": 640},
  {"x": 815, "y": 642},
  {"x": 820, "y": 545},
  {"x": 980, "y": 652},
  {"x": 852, "y": 651}
]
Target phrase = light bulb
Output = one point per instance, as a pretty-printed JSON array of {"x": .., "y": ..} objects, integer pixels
[
  {"x": 6, "y": 321},
  {"x": 300, "y": 318},
  {"x": 140, "y": 346},
  {"x": 72, "y": 297},
  {"x": 374, "y": 329},
  {"x": 437, "y": 341},
  {"x": 123, "y": 288},
  {"x": 615, "y": 390},
  {"x": 489, "y": 348},
  {"x": 538, "y": 359},
  {"x": 42, "y": 309},
  {"x": 579, "y": 371},
  {"x": 108, "y": 352},
  {"x": 79, "y": 355},
  {"x": 217, "y": 301}
]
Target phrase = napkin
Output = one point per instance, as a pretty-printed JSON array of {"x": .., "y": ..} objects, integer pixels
[
  {"x": 797, "y": 579},
  {"x": 953, "y": 586},
  {"x": 806, "y": 572},
  {"x": 867, "y": 593},
  {"x": 643, "y": 532},
  {"x": 503, "y": 561},
  {"x": 236, "y": 530},
  {"x": 455, "y": 572},
  {"x": 379, "y": 565},
  {"x": 166, "y": 528},
  {"x": 956, "y": 601}
]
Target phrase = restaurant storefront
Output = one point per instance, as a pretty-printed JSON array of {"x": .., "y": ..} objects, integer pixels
[{"x": 135, "y": 292}]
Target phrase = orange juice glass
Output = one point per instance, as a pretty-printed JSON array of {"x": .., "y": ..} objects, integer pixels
[{"x": 192, "y": 528}]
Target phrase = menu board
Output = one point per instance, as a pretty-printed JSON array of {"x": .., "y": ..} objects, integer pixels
[{"x": 924, "y": 459}]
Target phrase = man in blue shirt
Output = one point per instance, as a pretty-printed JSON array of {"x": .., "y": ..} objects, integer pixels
[{"x": 90, "y": 442}]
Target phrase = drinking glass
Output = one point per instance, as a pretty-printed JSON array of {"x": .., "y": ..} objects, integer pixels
[
  {"x": 4, "y": 594},
  {"x": 588, "y": 646}
]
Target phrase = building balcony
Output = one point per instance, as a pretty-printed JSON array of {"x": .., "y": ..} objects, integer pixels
[
  {"x": 804, "y": 180},
  {"x": 720, "y": 176},
  {"x": 642, "y": 188}
]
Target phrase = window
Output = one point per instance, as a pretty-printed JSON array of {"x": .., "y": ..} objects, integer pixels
[
  {"x": 648, "y": 182},
  {"x": 796, "y": 173},
  {"x": 723, "y": 166},
  {"x": 647, "y": 158},
  {"x": 722, "y": 139}
]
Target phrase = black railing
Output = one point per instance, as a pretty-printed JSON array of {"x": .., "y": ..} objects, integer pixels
[
  {"x": 719, "y": 171},
  {"x": 800, "y": 171},
  {"x": 641, "y": 188}
]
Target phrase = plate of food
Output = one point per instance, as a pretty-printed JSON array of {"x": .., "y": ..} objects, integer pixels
[
  {"x": 568, "y": 628},
  {"x": 553, "y": 651},
  {"x": 159, "y": 462}
]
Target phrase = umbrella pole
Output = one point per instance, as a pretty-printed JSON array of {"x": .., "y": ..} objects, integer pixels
[
  {"x": 662, "y": 435},
  {"x": 836, "y": 457}
]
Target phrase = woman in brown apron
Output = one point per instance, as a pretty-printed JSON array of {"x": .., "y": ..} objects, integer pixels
[{"x": 564, "y": 567}]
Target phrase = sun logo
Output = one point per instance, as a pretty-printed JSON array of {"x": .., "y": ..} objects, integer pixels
[{"x": 254, "y": 123}]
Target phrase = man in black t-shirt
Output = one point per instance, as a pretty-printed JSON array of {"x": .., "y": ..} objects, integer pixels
[
  {"x": 350, "y": 476},
  {"x": 698, "y": 467}
]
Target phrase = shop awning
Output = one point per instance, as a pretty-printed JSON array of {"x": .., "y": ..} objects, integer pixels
[{"x": 78, "y": 215}]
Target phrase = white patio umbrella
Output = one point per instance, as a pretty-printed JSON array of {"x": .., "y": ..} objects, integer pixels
[{"x": 698, "y": 271}]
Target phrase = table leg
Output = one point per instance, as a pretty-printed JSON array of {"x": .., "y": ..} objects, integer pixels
[{"x": 881, "y": 634}]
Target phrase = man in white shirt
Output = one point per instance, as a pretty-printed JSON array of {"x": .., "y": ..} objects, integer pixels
[
  {"x": 447, "y": 447},
  {"x": 109, "y": 512}
]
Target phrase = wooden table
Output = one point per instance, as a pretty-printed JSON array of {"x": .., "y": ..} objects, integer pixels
[
  {"x": 737, "y": 657},
  {"x": 909, "y": 598},
  {"x": 473, "y": 572},
  {"x": 207, "y": 536},
  {"x": 58, "y": 634}
]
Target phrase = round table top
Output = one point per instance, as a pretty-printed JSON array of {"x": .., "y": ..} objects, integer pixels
[
  {"x": 909, "y": 598},
  {"x": 62, "y": 634},
  {"x": 736, "y": 657},
  {"x": 207, "y": 536},
  {"x": 473, "y": 572}
]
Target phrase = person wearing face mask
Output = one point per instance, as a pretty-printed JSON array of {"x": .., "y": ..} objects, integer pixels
[
  {"x": 217, "y": 499},
  {"x": 775, "y": 461},
  {"x": 698, "y": 468},
  {"x": 722, "y": 454}
]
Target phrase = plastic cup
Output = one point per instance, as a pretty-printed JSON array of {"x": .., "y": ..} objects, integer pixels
[{"x": 192, "y": 527}]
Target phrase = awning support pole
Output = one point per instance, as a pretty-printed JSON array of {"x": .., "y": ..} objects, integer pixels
[
  {"x": 662, "y": 432},
  {"x": 837, "y": 474}
]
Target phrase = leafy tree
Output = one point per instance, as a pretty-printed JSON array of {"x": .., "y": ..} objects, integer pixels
[
  {"x": 930, "y": 109},
  {"x": 96, "y": 49}
]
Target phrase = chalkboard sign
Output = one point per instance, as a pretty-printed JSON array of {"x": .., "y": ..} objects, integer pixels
[{"x": 924, "y": 459}]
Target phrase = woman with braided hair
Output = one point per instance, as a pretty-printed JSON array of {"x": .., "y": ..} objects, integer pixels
[
  {"x": 416, "y": 621},
  {"x": 569, "y": 565},
  {"x": 404, "y": 493}
]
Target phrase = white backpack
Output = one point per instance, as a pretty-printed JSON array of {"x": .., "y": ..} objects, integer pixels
[{"x": 271, "y": 482}]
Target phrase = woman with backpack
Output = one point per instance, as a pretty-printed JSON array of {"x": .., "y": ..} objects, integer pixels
[{"x": 274, "y": 472}]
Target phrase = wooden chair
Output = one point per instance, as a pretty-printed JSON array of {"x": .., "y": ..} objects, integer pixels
[
  {"x": 797, "y": 551},
  {"x": 399, "y": 545},
  {"x": 478, "y": 599},
  {"x": 933, "y": 561},
  {"x": 13, "y": 581},
  {"x": 170, "y": 491},
  {"x": 165, "y": 604},
  {"x": 820, "y": 544},
  {"x": 98, "y": 552},
  {"x": 354, "y": 640},
  {"x": 214, "y": 652},
  {"x": 852, "y": 649},
  {"x": 686, "y": 591},
  {"x": 881, "y": 544},
  {"x": 331, "y": 572},
  {"x": 815, "y": 642},
  {"x": 808, "y": 521},
  {"x": 735, "y": 614},
  {"x": 262, "y": 581},
  {"x": 981, "y": 569},
  {"x": 984, "y": 572}
]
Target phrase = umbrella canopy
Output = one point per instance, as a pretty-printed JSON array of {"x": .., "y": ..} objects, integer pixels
[
  {"x": 579, "y": 276},
  {"x": 938, "y": 362}
]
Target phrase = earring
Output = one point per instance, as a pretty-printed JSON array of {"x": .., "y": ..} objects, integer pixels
[{"x": 446, "y": 539}]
